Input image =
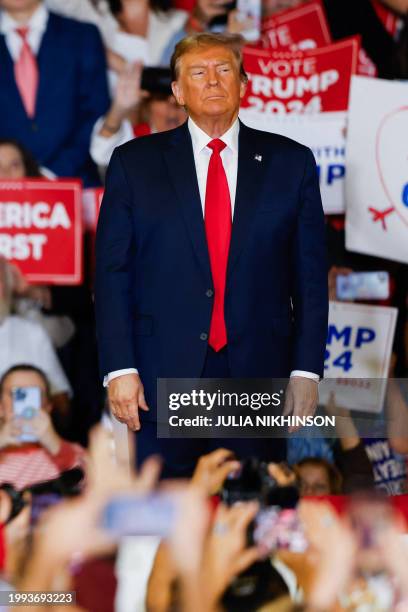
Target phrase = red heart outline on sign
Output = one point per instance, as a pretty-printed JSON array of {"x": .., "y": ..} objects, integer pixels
[{"x": 388, "y": 123}]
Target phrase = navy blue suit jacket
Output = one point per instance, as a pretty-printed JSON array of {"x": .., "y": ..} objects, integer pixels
[
  {"x": 153, "y": 273},
  {"x": 72, "y": 95}
]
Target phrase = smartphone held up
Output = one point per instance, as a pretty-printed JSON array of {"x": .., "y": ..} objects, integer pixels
[{"x": 26, "y": 406}]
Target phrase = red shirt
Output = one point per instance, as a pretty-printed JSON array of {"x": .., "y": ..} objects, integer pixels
[{"x": 32, "y": 464}]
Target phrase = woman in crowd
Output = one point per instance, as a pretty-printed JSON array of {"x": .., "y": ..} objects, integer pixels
[{"x": 16, "y": 162}]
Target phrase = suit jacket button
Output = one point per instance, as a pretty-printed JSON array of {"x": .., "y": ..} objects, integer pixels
[
  {"x": 209, "y": 293},
  {"x": 34, "y": 127},
  {"x": 203, "y": 336}
]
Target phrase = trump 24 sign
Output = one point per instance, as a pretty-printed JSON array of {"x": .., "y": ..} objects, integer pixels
[
  {"x": 41, "y": 229},
  {"x": 358, "y": 352}
]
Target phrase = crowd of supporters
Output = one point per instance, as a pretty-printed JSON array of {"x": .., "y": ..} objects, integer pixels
[{"x": 98, "y": 78}]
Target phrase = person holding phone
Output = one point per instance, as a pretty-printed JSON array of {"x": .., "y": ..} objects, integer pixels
[{"x": 31, "y": 451}]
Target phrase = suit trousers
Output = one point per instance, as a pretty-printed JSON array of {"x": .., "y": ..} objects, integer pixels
[{"x": 180, "y": 455}]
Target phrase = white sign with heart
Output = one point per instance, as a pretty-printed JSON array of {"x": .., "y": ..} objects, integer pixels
[{"x": 377, "y": 169}]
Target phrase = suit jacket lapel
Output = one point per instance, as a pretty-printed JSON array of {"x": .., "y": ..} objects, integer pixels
[
  {"x": 179, "y": 158},
  {"x": 251, "y": 169}
]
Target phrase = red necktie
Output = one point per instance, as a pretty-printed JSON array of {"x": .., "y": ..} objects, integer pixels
[
  {"x": 26, "y": 74},
  {"x": 218, "y": 231}
]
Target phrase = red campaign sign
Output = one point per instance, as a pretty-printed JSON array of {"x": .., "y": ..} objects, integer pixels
[
  {"x": 298, "y": 82},
  {"x": 91, "y": 205},
  {"x": 300, "y": 28},
  {"x": 41, "y": 229}
]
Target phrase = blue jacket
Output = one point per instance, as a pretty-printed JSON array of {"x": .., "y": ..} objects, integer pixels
[
  {"x": 153, "y": 306},
  {"x": 72, "y": 94}
]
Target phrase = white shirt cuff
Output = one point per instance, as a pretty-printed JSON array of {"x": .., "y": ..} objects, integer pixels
[
  {"x": 102, "y": 147},
  {"x": 107, "y": 379},
  {"x": 118, "y": 373},
  {"x": 310, "y": 375}
]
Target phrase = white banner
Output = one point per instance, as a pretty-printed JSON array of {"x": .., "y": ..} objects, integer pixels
[
  {"x": 377, "y": 169},
  {"x": 324, "y": 134},
  {"x": 358, "y": 350}
]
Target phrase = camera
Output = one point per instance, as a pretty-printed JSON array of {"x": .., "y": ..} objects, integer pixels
[{"x": 253, "y": 482}]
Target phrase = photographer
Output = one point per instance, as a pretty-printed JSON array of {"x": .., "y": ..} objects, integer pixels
[{"x": 31, "y": 451}]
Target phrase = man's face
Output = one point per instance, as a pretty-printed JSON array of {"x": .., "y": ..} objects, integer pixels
[
  {"x": 313, "y": 480},
  {"x": 12, "y": 6},
  {"x": 209, "y": 83},
  {"x": 20, "y": 379}
]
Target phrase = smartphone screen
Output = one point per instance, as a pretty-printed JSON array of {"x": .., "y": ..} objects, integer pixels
[
  {"x": 153, "y": 514},
  {"x": 276, "y": 528},
  {"x": 363, "y": 286},
  {"x": 26, "y": 405},
  {"x": 252, "y": 9}
]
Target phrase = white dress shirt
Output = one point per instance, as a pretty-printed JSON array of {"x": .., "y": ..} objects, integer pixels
[
  {"x": 36, "y": 25},
  {"x": 102, "y": 147},
  {"x": 202, "y": 154}
]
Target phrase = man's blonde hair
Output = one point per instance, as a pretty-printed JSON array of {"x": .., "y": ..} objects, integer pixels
[{"x": 234, "y": 42}]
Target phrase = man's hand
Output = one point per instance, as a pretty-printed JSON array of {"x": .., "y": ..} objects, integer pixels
[
  {"x": 126, "y": 396},
  {"x": 301, "y": 398}
]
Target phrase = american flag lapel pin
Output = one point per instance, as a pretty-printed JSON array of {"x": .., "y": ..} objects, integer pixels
[{"x": 258, "y": 157}]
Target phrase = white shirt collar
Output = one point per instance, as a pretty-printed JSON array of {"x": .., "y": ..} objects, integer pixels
[
  {"x": 200, "y": 139},
  {"x": 37, "y": 22}
]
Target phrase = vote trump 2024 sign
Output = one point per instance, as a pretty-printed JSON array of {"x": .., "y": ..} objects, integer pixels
[
  {"x": 298, "y": 82},
  {"x": 303, "y": 27},
  {"x": 358, "y": 352},
  {"x": 41, "y": 229}
]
